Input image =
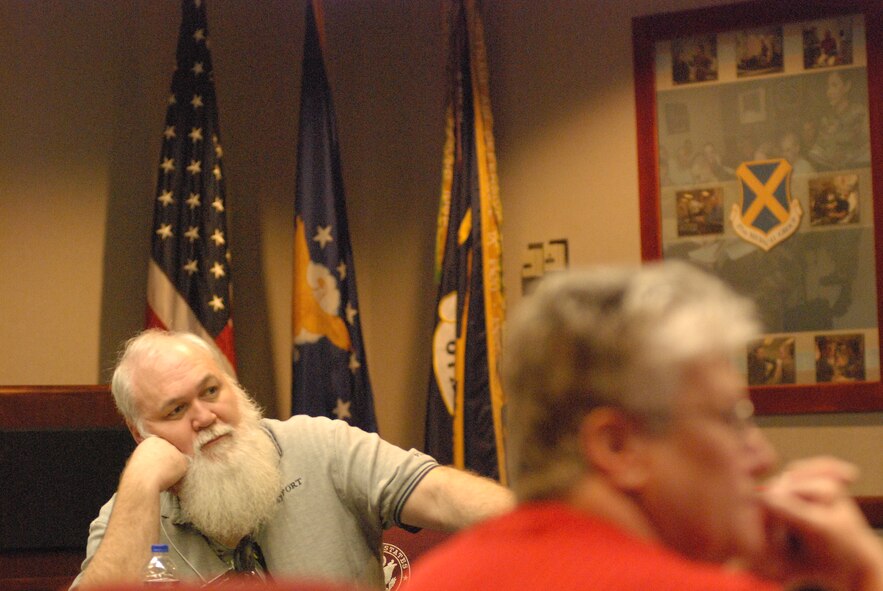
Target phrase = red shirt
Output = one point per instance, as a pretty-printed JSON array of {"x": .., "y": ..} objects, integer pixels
[{"x": 550, "y": 546}]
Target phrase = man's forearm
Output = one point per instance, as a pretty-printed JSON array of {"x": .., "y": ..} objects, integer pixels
[
  {"x": 133, "y": 526},
  {"x": 450, "y": 499},
  {"x": 872, "y": 576},
  {"x": 155, "y": 465}
]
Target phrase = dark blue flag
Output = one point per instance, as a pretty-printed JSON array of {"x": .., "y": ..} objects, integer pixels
[
  {"x": 464, "y": 424},
  {"x": 188, "y": 282},
  {"x": 330, "y": 371}
]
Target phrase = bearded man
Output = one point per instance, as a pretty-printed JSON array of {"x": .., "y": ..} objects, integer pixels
[{"x": 227, "y": 490}]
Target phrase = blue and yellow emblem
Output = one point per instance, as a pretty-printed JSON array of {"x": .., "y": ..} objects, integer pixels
[{"x": 766, "y": 215}]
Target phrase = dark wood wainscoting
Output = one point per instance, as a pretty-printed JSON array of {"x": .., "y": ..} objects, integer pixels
[{"x": 61, "y": 451}]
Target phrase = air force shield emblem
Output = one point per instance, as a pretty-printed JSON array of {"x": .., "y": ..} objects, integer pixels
[{"x": 766, "y": 214}]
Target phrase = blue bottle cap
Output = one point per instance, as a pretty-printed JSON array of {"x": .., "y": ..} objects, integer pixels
[{"x": 159, "y": 548}]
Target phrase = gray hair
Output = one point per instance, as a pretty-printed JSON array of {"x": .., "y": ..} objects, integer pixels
[
  {"x": 146, "y": 346},
  {"x": 616, "y": 337}
]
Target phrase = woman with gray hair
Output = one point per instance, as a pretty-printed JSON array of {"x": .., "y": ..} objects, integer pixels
[{"x": 635, "y": 460}]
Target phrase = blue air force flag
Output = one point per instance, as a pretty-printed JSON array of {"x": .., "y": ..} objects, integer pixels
[{"x": 330, "y": 372}]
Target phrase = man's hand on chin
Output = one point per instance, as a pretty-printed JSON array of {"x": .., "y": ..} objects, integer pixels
[{"x": 156, "y": 463}]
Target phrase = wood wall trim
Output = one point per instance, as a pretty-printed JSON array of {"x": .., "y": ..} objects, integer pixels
[
  {"x": 58, "y": 407},
  {"x": 91, "y": 406},
  {"x": 872, "y": 507},
  {"x": 40, "y": 569}
]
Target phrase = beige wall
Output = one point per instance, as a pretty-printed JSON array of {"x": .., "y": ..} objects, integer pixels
[{"x": 84, "y": 84}]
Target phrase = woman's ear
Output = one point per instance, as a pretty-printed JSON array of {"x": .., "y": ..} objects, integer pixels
[{"x": 614, "y": 445}]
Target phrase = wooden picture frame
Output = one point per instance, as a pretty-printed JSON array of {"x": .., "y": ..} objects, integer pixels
[{"x": 762, "y": 89}]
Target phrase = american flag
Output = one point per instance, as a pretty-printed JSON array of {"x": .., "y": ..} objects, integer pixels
[{"x": 188, "y": 282}]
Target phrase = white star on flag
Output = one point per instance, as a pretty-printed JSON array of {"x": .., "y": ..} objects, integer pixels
[
  {"x": 165, "y": 198},
  {"x": 196, "y": 101},
  {"x": 193, "y": 200},
  {"x": 195, "y": 167},
  {"x": 323, "y": 236},
  {"x": 164, "y": 231},
  {"x": 168, "y": 165},
  {"x": 342, "y": 410},
  {"x": 218, "y": 204},
  {"x": 217, "y": 270},
  {"x": 191, "y": 267},
  {"x": 199, "y": 35},
  {"x": 169, "y": 133},
  {"x": 341, "y": 270},
  {"x": 197, "y": 69},
  {"x": 217, "y": 303},
  {"x": 192, "y": 233},
  {"x": 354, "y": 363},
  {"x": 195, "y": 134},
  {"x": 218, "y": 237},
  {"x": 350, "y": 313}
]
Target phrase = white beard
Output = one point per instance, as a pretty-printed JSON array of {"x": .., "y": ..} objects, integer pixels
[{"x": 230, "y": 489}]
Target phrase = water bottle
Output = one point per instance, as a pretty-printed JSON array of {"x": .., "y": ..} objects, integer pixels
[{"x": 160, "y": 571}]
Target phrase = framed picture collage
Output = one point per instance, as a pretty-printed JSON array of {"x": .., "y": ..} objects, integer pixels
[{"x": 755, "y": 127}]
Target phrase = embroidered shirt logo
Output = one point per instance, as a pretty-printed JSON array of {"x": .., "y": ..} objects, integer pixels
[
  {"x": 288, "y": 488},
  {"x": 396, "y": 567}
]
